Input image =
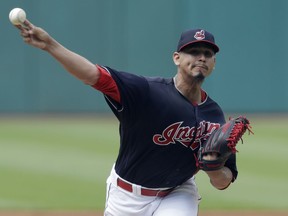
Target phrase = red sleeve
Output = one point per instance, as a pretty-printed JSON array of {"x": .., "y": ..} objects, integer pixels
[{"x": 107, "y": 85}]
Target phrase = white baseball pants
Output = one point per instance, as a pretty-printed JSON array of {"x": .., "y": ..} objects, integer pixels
[{"x": 182, "y": 201}]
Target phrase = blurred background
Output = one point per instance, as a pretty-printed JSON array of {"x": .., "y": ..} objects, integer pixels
[
  {"x": 57, "y": 138},
  {"x": 140, "y": 37}
]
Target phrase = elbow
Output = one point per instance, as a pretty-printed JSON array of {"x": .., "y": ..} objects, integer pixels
[
  {"x": 91, "y": 77},
  {"x": 90, "y": 82}
]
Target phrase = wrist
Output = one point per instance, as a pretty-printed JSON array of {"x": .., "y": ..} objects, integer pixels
[
  {"x": 220, "y": 179},
  {"x": 52, "y": 46}
]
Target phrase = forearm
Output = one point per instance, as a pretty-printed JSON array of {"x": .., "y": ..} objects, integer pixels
[
  {"x": 75, "y": 64},
  {"x": 221, "y": 178},
  {"x": 72, "y": 62}
]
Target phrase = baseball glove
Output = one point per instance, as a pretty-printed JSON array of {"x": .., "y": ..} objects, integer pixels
[{"x": 223, "y": 142}]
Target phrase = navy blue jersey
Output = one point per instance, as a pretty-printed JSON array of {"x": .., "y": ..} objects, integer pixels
[{"x": 160, "y": 130}]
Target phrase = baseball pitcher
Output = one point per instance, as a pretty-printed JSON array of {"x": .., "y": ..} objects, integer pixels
[{"x": 169, "y": 127}]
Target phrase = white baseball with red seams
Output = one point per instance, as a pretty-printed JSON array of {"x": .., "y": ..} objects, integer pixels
[{"x": 17, "y": 16}]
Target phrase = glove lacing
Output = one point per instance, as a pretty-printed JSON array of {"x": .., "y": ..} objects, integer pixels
[{"x": 237, "y": 132}]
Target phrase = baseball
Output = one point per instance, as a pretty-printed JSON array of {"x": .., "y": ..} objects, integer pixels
[{"x": 17, "y": 16}]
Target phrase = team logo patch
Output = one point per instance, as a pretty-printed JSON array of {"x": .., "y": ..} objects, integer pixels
[{"x": 200, "y": 35}]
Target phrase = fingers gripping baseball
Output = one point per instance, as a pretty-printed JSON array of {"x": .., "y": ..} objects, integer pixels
[
  {"x": 34, "y": 36},
  {"x": 31, "y": 34}
]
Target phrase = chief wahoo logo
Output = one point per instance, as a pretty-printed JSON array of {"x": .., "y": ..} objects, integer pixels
[{"x": 200, "y": 35}]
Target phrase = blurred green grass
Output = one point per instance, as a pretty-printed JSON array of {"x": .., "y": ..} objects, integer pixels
[
  {"x": 56, "y": 163},
  {"x": 61, "y": 163}
]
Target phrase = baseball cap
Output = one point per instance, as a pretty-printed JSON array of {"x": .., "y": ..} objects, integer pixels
[{"x": 194, "y": 36}]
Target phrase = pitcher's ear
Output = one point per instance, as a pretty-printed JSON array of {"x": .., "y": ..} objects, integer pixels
[{"x": 176, "y": 57}]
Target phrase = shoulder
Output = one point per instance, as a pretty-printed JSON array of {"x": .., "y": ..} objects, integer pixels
[
  {"x": 121, "y": 74},
  {"x": 138, "y": 80},
  {"x": 159, "y": 80}
]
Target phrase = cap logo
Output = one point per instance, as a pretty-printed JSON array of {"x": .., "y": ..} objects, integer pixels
[{"x": 200, "y": 35}]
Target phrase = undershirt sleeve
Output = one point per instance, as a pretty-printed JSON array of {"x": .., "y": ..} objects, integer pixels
[{"x": 107, "y": 85}]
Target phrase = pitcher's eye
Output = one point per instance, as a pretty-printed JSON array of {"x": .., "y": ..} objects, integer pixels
[
  {"x": 198, "y": 52},
  {"x": 208, "y": 54}
]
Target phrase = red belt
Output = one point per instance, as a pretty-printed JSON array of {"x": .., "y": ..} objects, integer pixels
[{"x": 144, "y": 191}]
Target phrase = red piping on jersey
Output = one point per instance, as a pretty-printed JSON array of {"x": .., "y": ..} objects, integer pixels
[
  {"x": 107, "y": 85},
  {"x": 203, "y": 95}
]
